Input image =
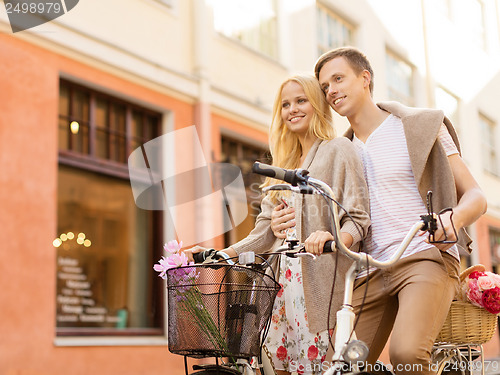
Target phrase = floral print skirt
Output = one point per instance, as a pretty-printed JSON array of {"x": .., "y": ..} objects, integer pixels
[{"x": 289, "y": 344}]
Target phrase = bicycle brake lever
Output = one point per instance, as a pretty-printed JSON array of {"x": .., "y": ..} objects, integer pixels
[
  {"x": 430, "y": 221},
  {"x": 300, "y": 253}
]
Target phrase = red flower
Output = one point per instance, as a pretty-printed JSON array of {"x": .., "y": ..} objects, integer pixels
[
  {"x": 288, "y": 274},
  {"x": 491, "y": 300},
  {"x": 476, "y": 275},
  {"x": 281, "y": 353},
  {"x": 312, "y": 353},
  {"x": 280, "y": 293}
]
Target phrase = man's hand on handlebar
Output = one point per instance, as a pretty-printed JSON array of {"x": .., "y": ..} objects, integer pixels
[
  {"x": 444, "y": 232},
  {"x": 282, "y": 218}
]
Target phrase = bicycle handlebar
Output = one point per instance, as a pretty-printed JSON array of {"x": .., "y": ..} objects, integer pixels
[
  {"x": 300, "y": 176},
  {"x": 291, "y": 176}
]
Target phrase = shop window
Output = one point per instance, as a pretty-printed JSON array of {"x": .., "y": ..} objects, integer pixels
[
  {"x": 244, "y": 155},
  {"x": 332, "y": 30},
  {"x": 494, "y": 234},
  {"x": 106, "y": 246}
]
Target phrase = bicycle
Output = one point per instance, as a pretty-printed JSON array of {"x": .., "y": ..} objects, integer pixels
[{"x": 349, "y": 353}]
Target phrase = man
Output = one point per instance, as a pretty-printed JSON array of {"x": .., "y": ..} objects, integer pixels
[{"x": 406, "y": 152}]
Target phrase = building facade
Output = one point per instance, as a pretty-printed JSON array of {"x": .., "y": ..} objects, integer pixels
[{"x": 81, "y": 93}]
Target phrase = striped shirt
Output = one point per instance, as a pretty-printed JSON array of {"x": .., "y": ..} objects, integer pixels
[{"x": 395, "y": 202}]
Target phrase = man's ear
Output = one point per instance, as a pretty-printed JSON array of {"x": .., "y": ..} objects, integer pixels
[{"x": 367, "y": 78}]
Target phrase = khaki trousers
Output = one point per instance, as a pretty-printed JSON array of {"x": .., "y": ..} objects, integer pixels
[{"x": 411, "y": 299}]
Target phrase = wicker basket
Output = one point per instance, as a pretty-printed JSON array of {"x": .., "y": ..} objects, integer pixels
[{"x": 466, "y": 324}]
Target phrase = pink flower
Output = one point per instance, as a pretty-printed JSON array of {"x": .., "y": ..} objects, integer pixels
[
  {"x": 485, "y": 282},
  {"x": 172, "y": 247},
  {"x": 281, "y": 353},
  {"x": 161, "y": 267},
  {"x": 288, "y": 274},
  {"x": 491, "y": 300},
  {"x": 178, "y": 260},
  {"x": 474, "y": 294},
  {"x": 173, "y": 261},
  {"x": 312, "y": 353}
]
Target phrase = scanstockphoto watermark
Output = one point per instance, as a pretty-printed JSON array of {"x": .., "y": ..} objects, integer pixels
[
  {"x": 26, "y": 14},
  {"x": 379, "y": 367},
  {"x": 170, "y": 173}
]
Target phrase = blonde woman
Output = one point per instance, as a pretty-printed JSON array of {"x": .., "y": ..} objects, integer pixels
[{"x": 302, "y": 136}]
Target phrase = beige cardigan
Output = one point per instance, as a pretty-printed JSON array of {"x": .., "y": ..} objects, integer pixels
[
  {"x": 337, "y": 163},
  {"x": 427, "y": 156}
]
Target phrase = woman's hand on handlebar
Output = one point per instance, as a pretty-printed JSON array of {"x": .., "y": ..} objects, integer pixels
[
  {"x": 189, "y": 252},
  {"x": 282, "y": 218},
  {"x": 316, "y": 241}
]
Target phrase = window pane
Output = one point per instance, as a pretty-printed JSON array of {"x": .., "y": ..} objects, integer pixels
[
  {"x": 63, "y": 134},
  {"x": 118, "y": 118},
  {"x": 104, "y": 261},
  {"x": 488, "y": 133},
  {"x": 81, "y": 102},
  {"x": 102, "y": 143},
  {"x": 399, "y": 79}
]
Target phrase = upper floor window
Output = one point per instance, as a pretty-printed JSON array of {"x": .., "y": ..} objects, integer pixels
[
  {"x": 253, "y": 23},
  {"x": 93, "y": 124},
  {"x": 448, "y": 103},
  {"x": 489, "y": 144},
  {"x": 332, "y": 30},
  {"x": 399, "y": 79}
]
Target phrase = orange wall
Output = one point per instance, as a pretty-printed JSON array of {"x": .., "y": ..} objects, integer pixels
[{"x": 29, "y": 82}]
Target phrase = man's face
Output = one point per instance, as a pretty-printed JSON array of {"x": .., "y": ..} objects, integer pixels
[{"x": 344, "y": 89}]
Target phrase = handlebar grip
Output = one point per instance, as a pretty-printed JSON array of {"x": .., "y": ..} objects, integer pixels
[
  {"x": 275, "y": 172},
  {"x": 199, "y": 257},
  {"x": 329, "y": 246}
]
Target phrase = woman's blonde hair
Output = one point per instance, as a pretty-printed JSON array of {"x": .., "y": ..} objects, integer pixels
[{"x": 284, "y": 145}]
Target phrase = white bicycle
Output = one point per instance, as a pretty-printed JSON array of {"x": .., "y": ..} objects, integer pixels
[{"x": 231, "y": 290}]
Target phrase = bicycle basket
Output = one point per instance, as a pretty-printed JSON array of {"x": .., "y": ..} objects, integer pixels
[
  {"x": 218, "y": 310},
  {"x": 467, "y": 324}
]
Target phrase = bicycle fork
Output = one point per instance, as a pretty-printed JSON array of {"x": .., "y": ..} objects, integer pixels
[{"x": 347, "y": 348}]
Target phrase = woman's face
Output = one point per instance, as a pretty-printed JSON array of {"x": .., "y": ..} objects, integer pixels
[{"x": 296, "y": 110}]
